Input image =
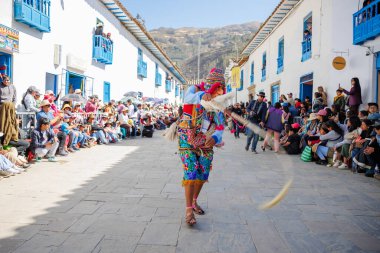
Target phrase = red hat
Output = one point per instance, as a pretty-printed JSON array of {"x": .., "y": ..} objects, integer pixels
[
  {"x": 295, "y": 126},
  {"x": 3, "y": 67},
  {"x": 322, "y": 112}
]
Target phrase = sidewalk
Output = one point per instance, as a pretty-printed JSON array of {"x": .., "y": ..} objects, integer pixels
[{"x": 128, "y": 198}]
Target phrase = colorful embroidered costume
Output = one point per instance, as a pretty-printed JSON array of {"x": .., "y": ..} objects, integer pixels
[{"x": 196, "y": 124}]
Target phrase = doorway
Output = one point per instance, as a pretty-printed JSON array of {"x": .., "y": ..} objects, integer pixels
[
  {"x": 377, "y": 98},
  {"x": 6, "y": 64},
  {"x": 51, "y": 82},
  {"x": 306, "y": 87},
  {"x": 106, "y": 92},
  {"x": 74, "y": 81}
]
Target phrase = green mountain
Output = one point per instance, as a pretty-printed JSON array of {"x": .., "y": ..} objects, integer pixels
[{"x": 218, "y": 45}]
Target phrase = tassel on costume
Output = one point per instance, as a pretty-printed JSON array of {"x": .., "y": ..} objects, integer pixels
[{"x": 171, "y": 133}]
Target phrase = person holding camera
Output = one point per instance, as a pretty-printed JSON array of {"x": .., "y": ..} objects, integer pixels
[
  {"x": 257, "y": 110},
  {"x": 44, "y": 141}
]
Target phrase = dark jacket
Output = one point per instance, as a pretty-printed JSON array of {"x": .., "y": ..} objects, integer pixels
[
  {"x": 355, "y": 97},
  {"x": 37, "y": 138},
  {"x": 258, "y": 114}
]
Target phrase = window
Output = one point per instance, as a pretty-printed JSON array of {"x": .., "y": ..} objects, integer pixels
[
  {"x": 252, "y": 76},
  {"x": 142, "y": 66},
  {"x": 158, "y": 78},
  {"x": 264, "y": 67},
  {"x": 307, "y": 37},
  {"x": 280, "y": 59},
  {"x": 241, "y": 80}
]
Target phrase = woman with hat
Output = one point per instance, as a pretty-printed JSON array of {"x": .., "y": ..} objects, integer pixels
[{"x": 199, "y": 131}]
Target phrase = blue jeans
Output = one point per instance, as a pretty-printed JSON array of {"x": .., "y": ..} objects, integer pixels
[
  {"x": 252, "y": 136},
  {"x": 237, "y": 129},
  {"x": 322, "y": 152},
  {"x": 100, "y": 135}
]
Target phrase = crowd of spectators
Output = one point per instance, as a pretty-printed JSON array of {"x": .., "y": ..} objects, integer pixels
[
  {"x": 344, "y": 134},
  {"x": 46, "y": 128}
]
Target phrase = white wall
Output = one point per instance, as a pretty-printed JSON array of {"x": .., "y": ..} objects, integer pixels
[
  {"x": 72, "y": 26},
  {"x": 332, "y": 34}
]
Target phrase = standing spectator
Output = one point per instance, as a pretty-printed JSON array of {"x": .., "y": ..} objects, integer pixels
[
  {"x": 340, "y": 100},
  {"x": 44, "y": 141},
  {"x": 7, "y": 91},
  {"x": 283, "y": 99},
  {"x": 257, "y": 110},
  {"x": 355, "y": 95},
  {"x": 91, "y": 105},
  {"x": 29, "y": 104},
  {"x": 290, "y": 99},
  {"x": 274, "y": 124},
  {"x": 236, "y": 109},
  {"x": 307, "y": 103},
  {"x": 323, "y": 94},
  {"x": 131, "y": 108}
]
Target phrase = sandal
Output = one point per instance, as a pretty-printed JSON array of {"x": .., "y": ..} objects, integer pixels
[
  {"x": 197, "y": 209},
  {"x": 263, "y": 148},
  {"x": 190, "y": 218}
]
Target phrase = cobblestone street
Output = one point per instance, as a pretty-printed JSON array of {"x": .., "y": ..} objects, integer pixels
[{"x": 128, "y": 198}]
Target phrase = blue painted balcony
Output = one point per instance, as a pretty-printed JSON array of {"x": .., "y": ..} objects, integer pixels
[
  {"x": 366, "y": 23},
  {"x": 158, "y": 79},
  {"x": 280, "y": 65},
  {"x": 263, "y": 75},
  {"x": 176, "y": 91},
  {"x": 34, "y": 13},
  {"x": 168, "y": 86},
  {"x": 142, "y": 67},
  {"x": 306, "y": 50},
  {"x": 102, "y": 50},
  {"x": 251, "y": 79}
]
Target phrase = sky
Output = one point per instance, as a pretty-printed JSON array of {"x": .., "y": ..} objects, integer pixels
[{"x": 199, "y": 13}]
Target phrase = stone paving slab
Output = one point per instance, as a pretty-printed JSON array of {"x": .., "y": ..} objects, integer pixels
[{"x": 132, "y": 201}]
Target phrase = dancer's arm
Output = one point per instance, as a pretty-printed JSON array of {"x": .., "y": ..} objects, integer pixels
[{"x": 193, "y": 96}]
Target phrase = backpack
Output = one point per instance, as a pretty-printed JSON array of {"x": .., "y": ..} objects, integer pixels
[{"x": 306, "y": 154}]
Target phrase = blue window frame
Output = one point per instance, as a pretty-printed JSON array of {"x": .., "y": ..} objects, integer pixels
[
  {"x": 252, "y": 76},
  {"x": 102, "y": 49},
  {"x": 176, "y": 90},
  {"x": 366, "y": 23},
  {"x": 34, "y": 13},
  {"x": 264, "y": 67},
  {"x": 74, "y": 81},
  {"x": 6, "y": 64},
  {"x": 280, "y": 59},
  {"x": 168, "y": 86},
  {"x": 158, "y": 78},
  {"x": 241, "y": 80},
  {"x": 106, "y": 92},
  {"x": 307, "y": 37},
  {"x": 142, "y": 66}
]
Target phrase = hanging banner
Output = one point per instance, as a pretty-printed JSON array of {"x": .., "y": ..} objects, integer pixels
[
  {"x": 235, "y": 78},
  {"x": 9, "y": 39}
]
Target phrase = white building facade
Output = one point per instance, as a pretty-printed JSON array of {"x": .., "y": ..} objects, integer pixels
[
  {"x": 52, "y": 45},
  {"x": 282, "y": 58}
]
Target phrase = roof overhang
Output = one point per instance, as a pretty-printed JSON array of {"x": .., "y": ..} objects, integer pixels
[
  {"x": 143, "y": 36},
  {"x": 282, "y": 9}
]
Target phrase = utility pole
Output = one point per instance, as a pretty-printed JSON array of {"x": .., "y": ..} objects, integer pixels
[{"x": 199, "y": 53}]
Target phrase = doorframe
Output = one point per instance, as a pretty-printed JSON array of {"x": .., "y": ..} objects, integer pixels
[
  {"x": 68, "y": 73},
  {"x": 377, "y": 76},
  {"x": 9, "y": 71}
]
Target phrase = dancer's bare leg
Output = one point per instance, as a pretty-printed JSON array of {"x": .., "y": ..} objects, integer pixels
[
  {"x": 189, "y": 194},
  {"x": 197, "y": 191}
]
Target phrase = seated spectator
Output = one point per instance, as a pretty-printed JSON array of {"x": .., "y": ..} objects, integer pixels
[
  {"x": 44, "y": 141},
  {"x": 96, "y": 130},
  {"x": 363, "y": 114},
  {"x": 373, "y": 112},
  {"x": 329, "y": 138},
  {"x": 317, "y": 102},
  {"x": 7, "y": 168},
  {"x": 54, "y": 124},
  {"x": 12, "y": 155},
  {"x": 69, "y": 131},
  {"x": 111, "y": 132},
  {"x": 369, "y": 156},
  {"x": 126, "y": 123},
  {"x": 292, "y": 144},
  {"x": 342, "y": 148}
]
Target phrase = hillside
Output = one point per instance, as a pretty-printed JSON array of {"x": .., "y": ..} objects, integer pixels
[{"x": 217, "y": 45}]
